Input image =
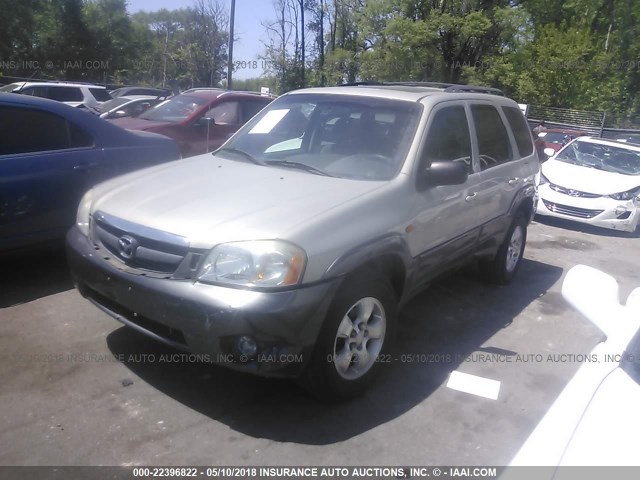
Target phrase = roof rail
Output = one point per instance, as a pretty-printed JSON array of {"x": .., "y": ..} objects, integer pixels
[
  {"x": 446, "y": 87},
  {"x": 197, "y": 89}
]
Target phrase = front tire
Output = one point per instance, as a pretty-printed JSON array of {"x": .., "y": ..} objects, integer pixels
[
  {"x": 354, "y": 340},
  {"x": 503, "y": 268}
]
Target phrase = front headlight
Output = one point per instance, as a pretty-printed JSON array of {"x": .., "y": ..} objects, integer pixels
[
  {"x": 262, "y": 263},
  {"x": 543, "y": 180},
  {"x": 628, "y": 195},
  {"x": 84, "y": 213}
]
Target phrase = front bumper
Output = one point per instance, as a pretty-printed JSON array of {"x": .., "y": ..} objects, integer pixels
[
  {"x": 603, "y": 211},
  {"x": 206, "y": 319}
]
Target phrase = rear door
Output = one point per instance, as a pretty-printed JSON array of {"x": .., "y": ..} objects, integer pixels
[
  {"x": 503, "y": 167},
  {"x": 45, "y": 166},
  {"x": 446, "y": 218}
]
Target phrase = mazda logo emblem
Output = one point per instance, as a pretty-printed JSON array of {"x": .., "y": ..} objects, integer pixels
[{"x": 127, "y": 246}]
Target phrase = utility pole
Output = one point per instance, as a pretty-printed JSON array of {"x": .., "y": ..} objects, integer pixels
[
  {"x": 322, "y": 43},
  {"x": 230, "y": 64},
  {"x": 303, "y": 44}
]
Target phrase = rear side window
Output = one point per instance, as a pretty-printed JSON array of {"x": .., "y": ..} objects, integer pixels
[
  {"x": 520, "y": 130},
  {"x": 225, "y": 113},
  {"x": 28, "y": 131},
  {"x": 65, "y": 94},
  {"x": 35, "y": 92},
  {"x": 100, "y": 94},
  {"x": 448, "y": 138},
  {"x": 78, "y": 138},
  {"x": 494, "y": 146}
]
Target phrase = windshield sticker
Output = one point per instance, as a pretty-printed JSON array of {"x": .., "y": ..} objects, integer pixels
[{"x": 269, "y": 121}]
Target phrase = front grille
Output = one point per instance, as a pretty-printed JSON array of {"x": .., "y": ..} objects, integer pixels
[
  {"x": 571, "y": 192},
  {"x": 571, "y": 211},
  {"x": 138, "y": 246}
]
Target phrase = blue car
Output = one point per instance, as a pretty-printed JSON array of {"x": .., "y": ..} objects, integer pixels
[{"x": 50, "y": 154}]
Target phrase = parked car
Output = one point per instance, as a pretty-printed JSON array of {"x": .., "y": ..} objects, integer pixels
[
  {"x": 146, "y": 91},
  {"x": 185, "y": 118},
  {"x": 595, "y": 420},
  {"x": 289, "y": 251},
  {"x": 50, "y": 154},
  {"x": 73, "y": 94},
  {"x": 556, "y": 138},
  {"x": 126, "y": 106},
  {"x": 631, "y": 138},
  {"x": 593, "y": 181}
]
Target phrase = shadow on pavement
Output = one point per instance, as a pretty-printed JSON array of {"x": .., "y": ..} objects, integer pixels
[
  {"x": 585, "y": 228},
  {"x": 27, "y": 276},
  {"x": 443, "y": 325}
]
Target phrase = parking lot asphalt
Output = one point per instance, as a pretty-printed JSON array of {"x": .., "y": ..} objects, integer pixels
[{"x": 80, "y": 389}]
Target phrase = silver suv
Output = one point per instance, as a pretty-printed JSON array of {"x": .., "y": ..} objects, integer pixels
[
  {"x": 290, "y": 250},
  {"x": 73, "y": 94}
]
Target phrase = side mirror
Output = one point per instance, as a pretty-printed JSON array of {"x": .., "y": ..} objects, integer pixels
[
  {"x": 549, "y": 152},
  {"x": 445, "y": 173},
  {"x": 205, "y": 122}
]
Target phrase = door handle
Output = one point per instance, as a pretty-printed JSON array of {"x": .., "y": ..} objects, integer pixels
[
  {"x": 514, "y": 180},
  {"x": 83, "y": 167},
  {"x": 468, "y": 198}
]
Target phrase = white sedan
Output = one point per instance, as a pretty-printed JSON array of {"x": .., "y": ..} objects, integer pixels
[
  {"x": 593, "y": 181},
  {"x": 596, "y": 419}
]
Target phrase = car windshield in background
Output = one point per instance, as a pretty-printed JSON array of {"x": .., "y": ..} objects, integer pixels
[
  {"x": 602, "y": 156},
  {"x": 555, "y": 137},
  {"x": 175, "y": 110},
  {"x": 111, "y": 104},
  {"x": 10, "y": 88},
  {"x": 345, "y": 136}
]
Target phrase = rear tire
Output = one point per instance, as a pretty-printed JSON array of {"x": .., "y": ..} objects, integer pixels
[
  {"x": 354, "y": 340},
  {"x": 503, "y": 268}
]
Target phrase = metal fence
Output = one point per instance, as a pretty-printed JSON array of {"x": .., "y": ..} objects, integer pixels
[{"x": 591, "y": 122}]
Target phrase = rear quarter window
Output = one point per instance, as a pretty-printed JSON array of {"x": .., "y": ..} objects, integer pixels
[{"x": 100, "y": 94}]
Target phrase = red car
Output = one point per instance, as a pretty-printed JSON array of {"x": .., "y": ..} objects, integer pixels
[
  {"x": 556, "y": 138},
  {"x": 185, "y": 118}
]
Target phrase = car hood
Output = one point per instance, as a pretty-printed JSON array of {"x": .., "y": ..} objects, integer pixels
[
  {"x": 210, "y": 200},
  {"x": 586, "y": 179},
  {"x": 612, "y": 414},
  {"x": 137, "y": 123}
]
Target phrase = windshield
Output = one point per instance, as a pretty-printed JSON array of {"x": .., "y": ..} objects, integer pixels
[
  {"x": 556, "y": 137},
  {"x": 601, "y": 156},
  {"x": 353, "y": 137},
  {"x": 11, "y": 87},
  {"x": 111, "y": 104},
  {"x": 175, "y": 110}
]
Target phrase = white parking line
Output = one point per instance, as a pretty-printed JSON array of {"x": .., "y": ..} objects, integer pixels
[{"x": 483, "y": 387}]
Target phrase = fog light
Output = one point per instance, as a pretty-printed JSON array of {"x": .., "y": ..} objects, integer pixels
[
  {"x": 247, "y": 346},
  {"x": 620, "y": 210}
]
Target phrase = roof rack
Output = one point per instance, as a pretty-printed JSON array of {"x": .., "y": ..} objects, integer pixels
[{"x": 445, "y": 87}]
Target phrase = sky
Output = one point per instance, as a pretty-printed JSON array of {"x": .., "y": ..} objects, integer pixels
[{"x": 249, "y": 32}]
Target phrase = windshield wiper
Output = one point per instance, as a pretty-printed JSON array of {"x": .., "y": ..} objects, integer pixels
[
  {"x": 242, "y": 153},
  {"x": 299, "y": 166},
  {"x": 591, "y": 165}
]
